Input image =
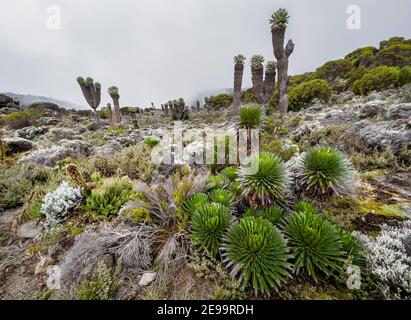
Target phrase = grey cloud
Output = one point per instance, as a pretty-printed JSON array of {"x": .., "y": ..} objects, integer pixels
[{"x": 154, "y": 50}]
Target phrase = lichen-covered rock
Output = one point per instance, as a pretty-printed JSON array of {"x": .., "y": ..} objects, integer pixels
[
  {"x": 51, "y": 156},
  {"x": 29, "y": 230},
  {"x": 46, "y": 157},
  {"x": 381, "y": 135},
  {"x": 31, "y": 133},
  {"x": 17, "y": 145},
  {"x": 372, "y": 109},
  {"x": 42, "y": 266},
  {"x": 306, "y": 128},
  {"x": 78, "y": 148},
  {"x": 147, "y": 278},
  {"x": 399, "y": 111},
  {"x": 57, "y": 134},
  {"x": 108, "y": 149},
  {"x": 48, "y": 121}
]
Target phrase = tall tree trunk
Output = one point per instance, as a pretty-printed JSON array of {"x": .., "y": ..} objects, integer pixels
[
  {"x": 116, "y": 103},
  {"x": 2, "y": 148},
  {"x": 282, "y": 55},
  {"x": 96, "y": 115},
  {"x": 87, "y": 94},
  {"x": 110, "y": 115},
  {"x": 98, "y": 96},
  {"x": 269, "y": 84},
  {"x": 238, "y": 82},
  {"x": 93, "y": 94},
  {"x": 257, "y": 78}
]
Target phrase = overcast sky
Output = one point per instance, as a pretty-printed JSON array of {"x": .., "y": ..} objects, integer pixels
[{"x": 156, "y": 50}]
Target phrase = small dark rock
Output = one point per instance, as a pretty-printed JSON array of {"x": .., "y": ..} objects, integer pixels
[
  {"x": 17, "y": 145},
  {"x": 5, "y": 100},
  {"x": 45, "y": 105}
]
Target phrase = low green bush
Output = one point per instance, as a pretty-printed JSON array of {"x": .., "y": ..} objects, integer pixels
[
  {"x": 15, "y": 185},
  {"x": 21, "y": 119},
  {"x": 405, "y": 76},
  {"x": 378, "y": 79},
  {"x": 393, "y": 41},
  {"x": 356, "y": 74},
  {"x": 398, "y": 55},
  {"x": 222, "y": 101},
  {"x": 332, "y": 70},
  {"x": 303, "y": 94}
]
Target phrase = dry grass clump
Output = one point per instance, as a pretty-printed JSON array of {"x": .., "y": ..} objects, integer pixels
[
  {"x": 134, "y": 162},
  {"x": 130, "y": 245}
]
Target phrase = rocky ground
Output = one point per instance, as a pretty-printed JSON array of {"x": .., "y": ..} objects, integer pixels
[{"x": 375, "y": 131}]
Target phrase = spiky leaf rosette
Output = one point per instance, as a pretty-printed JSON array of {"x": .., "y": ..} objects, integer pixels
[
  {"x": 250, "y": 116},
  {"x": 223, "y": 197},
  {"x": 152, "y": 141},
  {"x": 257, "y": 253},
  {"x": 97, "y": 85},
  {"x": 81, "y": 80},
  {"x": 264, "y": 178},
  {"x": 191, "y": 204},
  {"x": 304, "y": 206},
  {"x": 89, "y": 81},
  {"x": 240, "y": 59},
  {"x": 218, "y": 181},
  {"x": 231, "y": 173},
  {"x": 314, "y": 242},
  {"x": 271, "y": 66},
  {"x": 325, "y": 171},
  {"x": 236, "y": 188},
  {"x": 351, "y": 247},
  {"x": 272, "y": 214},
  {"x": 208, "y": 225},
  {"x": 280, "y": 17},
  {"x": 257, "y": 60},
  {"x": 113, "y": 90}
]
